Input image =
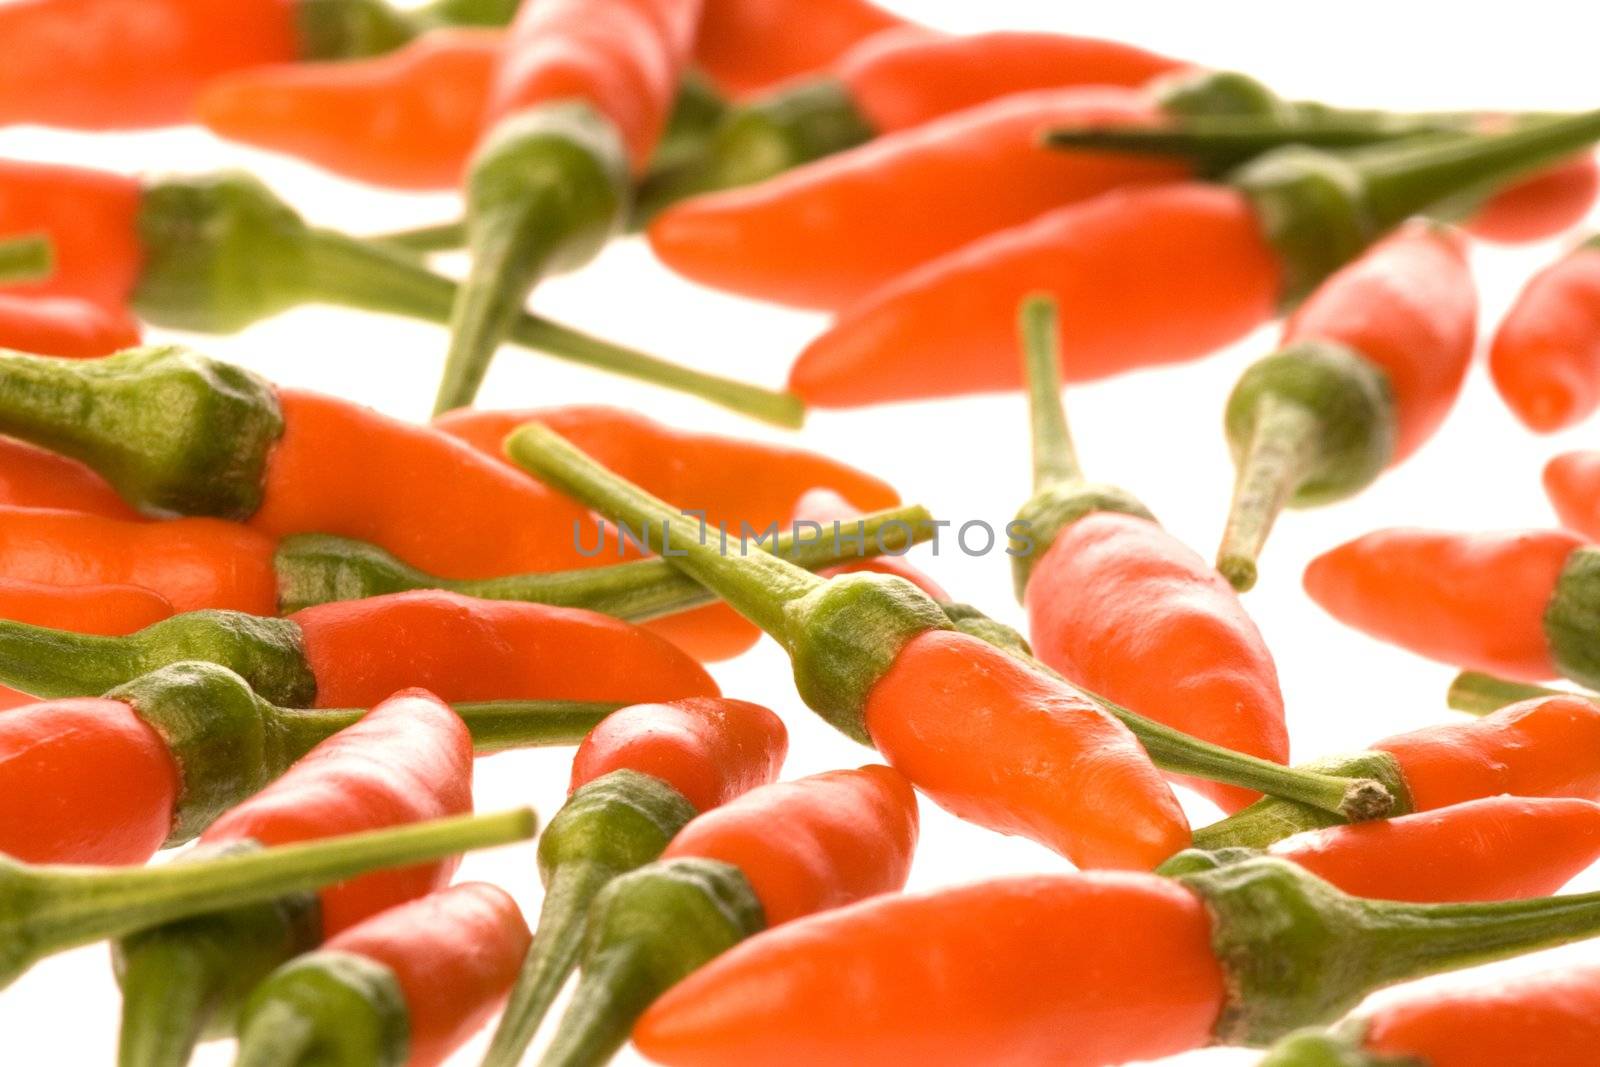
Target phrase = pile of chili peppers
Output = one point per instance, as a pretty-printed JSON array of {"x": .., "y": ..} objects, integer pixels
[{"x": 274, "y": 633}]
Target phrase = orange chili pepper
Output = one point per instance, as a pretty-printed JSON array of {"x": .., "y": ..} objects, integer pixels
[
  {"x": 774, "y": 855},
  {"x": 831, "y": 232},
  {"x": 747, "y": 46},
  {"x": 1543, "y": 206},
  {"x": 1368, "y": 368},
  {"x": 1121, "y": 607},
  {"x": 1545, "y": 359},
  {"x": 415, "y": 982},
  {"x": 1210, "y": 263},
  {"x": 406, "y": 120},
  {"x": 1572, "y": 482},
  {"x": 64, "y": 326},
  {"x": 1488, "y": 602},
  {"x": 33, "y": 477},
  {"x": 193, "y": 563},
  {"x": 90, "y": 217}
]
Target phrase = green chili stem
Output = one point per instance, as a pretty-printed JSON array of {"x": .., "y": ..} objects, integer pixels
[
  {"x": 1483, "y": 694},
  {"x": 553, "y": 956},
  {"x": 54, "y": 664},
  {"x": 504, "y": 271},
  {"x": 26, "y": 258},
  {"x": 609, "y": 999},
  {"x": 1282, "y": 448},
  {"x": 440, "y": 237},
  {"x": 1272, "y": 818},
  {"x": 318, "y": 568},
  {"x": 495, "y": 725},
  {"x": 166, "y": 999},
  {"x": 1055, "y": 460},
  {"x": 44, "y": 910},
  {"x": 758, "y": 586},
  {"x": 373, "y": 278}
]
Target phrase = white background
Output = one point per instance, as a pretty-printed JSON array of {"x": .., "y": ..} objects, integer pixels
[{"x": 1156, "y": 433}]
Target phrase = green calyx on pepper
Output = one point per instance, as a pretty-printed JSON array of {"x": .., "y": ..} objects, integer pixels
[
  {"x": 1308, "y": 425},
  {"x": 1571, "y": 618},
  {"x": 354, "y": 29},
  {"x": 340, "y": 1008}
]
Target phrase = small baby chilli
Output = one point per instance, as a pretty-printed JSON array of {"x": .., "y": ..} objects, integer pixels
[
  {"x": 215, "y": 253},
  {"x": 1215, "y": 261},
  {"x": 47, "y": 909},
  {"x": 1496, "y": 848},
  {"x": 356, "y": 653},
  {"x": 406, "y": 761},
  {"x": 184, "y": 744},
  {"x": 1518, "y": 603},
  {"x": 288, "y": 462},
  {"x": 406, "y": 988},
  {"x": 749, "y": 46},
  {"x": 1124, "y": 609},
  {"x": 102, "y": 64},
  {"x": 1547, "y": 747},
  {"x": 1368, "y": 368},
  {"x": 1545, "y": 359},
  {"x": 998, "y": 973},
  {"x": 579, "y": 101},
  {"x": 773, "y": 856},
  {"x": 887, "y": 666},
  {"x": 637, "y": 779},
  {"x": 1548, "y": 1019}
]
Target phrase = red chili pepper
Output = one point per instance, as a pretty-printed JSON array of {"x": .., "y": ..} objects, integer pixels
[
  {"x": 1210, "y": 262},
  {"x": 64, "y": 326},
  {"x": 107, "y": 610},
  {"x": 846, "y": 836},
  {"x": 114, "y": 64},
  {"x": 406, "y": 120},
  {"x": 1545, "y": 359},
  {"x": 1543, "y": 206},
  {"x": 638, "y": 778},
  {"x": 1368, "y": 368},
  {"x": 829, "y": 233},
  {"x": 1572, "y": 482},
  {"x": 1503, "y": 603},
  {"x": 1121, "y": 607},
  {"x": 906, "y": 79},
  {"x": 747, "y": 46},
  {"x": 33, "y": 477},
  {"x": 193, "y": 563},
  {"x": 411, "y": 984},
  {"x": 90, "y": 218}
]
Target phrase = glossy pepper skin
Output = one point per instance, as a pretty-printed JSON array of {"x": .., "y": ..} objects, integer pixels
[
  {"x": 33, "y": 477},
  {"x": 406, "y": 988},
  {"x": 356, "y": 653},
  {"x": 54, "y": 908},
  {"x": 1545, "y": 358},
  {"x": 637, "y": 779},
  {"x": 845, "y": 836},
  {"x": 1117, "y": 605},
  {"x": 1212, "y": 263},
  {"x": 1540, "y": 747},
  {"x": 114, "y": 64},
  {"x": 1427, "y": 591},
  {"x": 406, "y": 761},
  {"x": 64, "y": 326},
  {"x": 1547, "y": 1019},
  {"x": 1572, "y": 482},
  {"x": 193, "y": 563},
  {"x": 1368, "y": 368},
  {"x": 882, "y": 662},
  {"x": 90, "y": 217},
  {"x": 831, "y": 232},
  {"x": 580, "y": 98},
  {"x": 748, "y": 46},
  {"x": 1130, "y": 966}
]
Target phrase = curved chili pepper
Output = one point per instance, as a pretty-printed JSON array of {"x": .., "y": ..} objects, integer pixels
[
  {"x": 1549, "y": 1019},
  {"x": 1535, "y": 748},
  {"x": 1367, "y": 369},
  {"x": 193, "y": 563},
  {"x": 1545, "y": 359},
  {"x": 213, "y": 254},
  {"x": 406, "y": 988},
  {"x": 747, "y": 46},
  {"x": 107, "y": 610},
  {"x": 1428, "y": 592},
  {"x": 50, "y": 909},
  {"x": 1124, "y": 609},
  {"x": 637, "y": 779},
  {"x": 886, "y": 665},
  {"x": 1572, "y": 482},
  {"x": 316, "y": 569},
  {"x": 101, "y": 64},
  {"x": 1537, "y": 208},
  {"x": 1212, "y": 262},
  {"x": 406, "y": 761},
  {"x": 1127, "y": 967},
  {"x": 33, "y": 477},
  {"x": 580, "y": 100},
  {"x": 184, "y": 744},
  {"x": 847, "y": 836}
]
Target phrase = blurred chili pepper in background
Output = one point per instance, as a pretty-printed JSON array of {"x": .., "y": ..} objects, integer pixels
[{"x": 1545, "y": 359}]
